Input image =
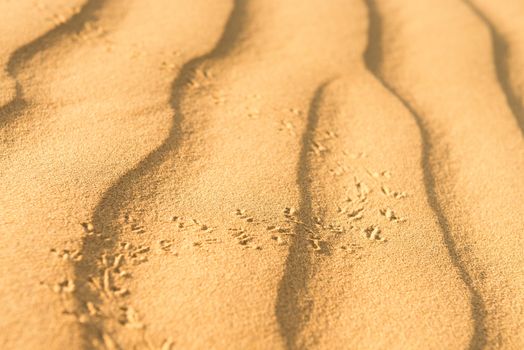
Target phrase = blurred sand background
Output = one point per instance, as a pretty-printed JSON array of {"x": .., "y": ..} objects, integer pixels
[{"x": 261, "y": 174}]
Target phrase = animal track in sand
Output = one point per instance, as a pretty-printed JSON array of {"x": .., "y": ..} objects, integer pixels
[
  {"x": 364, "y": 210},
  {"x": 194, "y": 224},
  {"x": 67, "y": 254},
  {"x": 115, "y": 269},
  {"x": 367, "y": 199},
  {"x": 109, "y": 282}
]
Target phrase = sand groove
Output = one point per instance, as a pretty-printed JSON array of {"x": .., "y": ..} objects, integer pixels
[
  {"x": 175, "y": 168},
  {"x": 293, "y": 306},
  {"x": 500, "y": 59},
  {"x": 107, "y": 212},
  {"x": 340, "y": 267},
  {"x": 78, "y": 176},
  {"x": 463, "y": 204},
  {"x": 373, "y": 58},
  {"x": 32, "y": 21},
  {"x": 73, "y": 25}
]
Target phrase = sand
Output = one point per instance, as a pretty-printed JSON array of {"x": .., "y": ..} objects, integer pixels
[{"x": 262, "y": 174}]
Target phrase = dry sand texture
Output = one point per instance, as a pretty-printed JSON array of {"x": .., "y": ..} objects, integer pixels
[{"x": 262, "y": 174}]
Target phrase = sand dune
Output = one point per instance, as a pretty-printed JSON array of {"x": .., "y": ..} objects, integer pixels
[{"x": 262, "y": 174}]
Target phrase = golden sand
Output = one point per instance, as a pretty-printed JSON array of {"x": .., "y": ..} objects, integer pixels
[{"x": 262, "y": 174}]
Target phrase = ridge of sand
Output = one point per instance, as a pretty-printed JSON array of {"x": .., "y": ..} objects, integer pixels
[
  {"x": 23, "y": 22},
  {"x": 67, "y": 22},
  {"x": 508, "y": 50},
  {"x": 490, "y": 264},
  {"x": 72, "y": 86},
  {"x": 261, "y": 174}
]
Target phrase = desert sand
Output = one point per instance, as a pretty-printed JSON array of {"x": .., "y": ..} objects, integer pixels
[{"x": 261, "y": 174}]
